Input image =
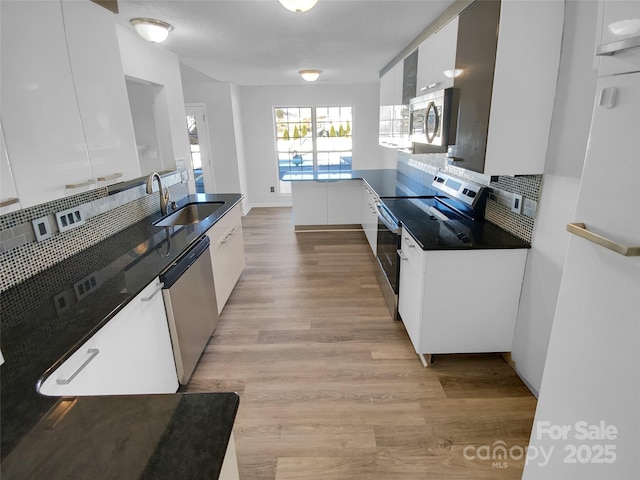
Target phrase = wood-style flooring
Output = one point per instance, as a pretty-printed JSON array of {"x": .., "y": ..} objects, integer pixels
[{"x": 330, "y": 385}]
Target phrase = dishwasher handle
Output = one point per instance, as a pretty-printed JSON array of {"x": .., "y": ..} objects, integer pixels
[{"x": 175, "y": 271}]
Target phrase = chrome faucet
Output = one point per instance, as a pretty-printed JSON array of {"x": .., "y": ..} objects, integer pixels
[{"x": 164, "y": 191}]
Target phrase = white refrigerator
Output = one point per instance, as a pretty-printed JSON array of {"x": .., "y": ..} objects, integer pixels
[{"x": 587, "y": 422}]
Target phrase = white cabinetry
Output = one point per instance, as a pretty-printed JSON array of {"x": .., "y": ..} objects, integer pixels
[
  {"x": 65, "y": 111},
  {"x": 101, "y": 91},
  {"x": 436, "y": 55},
  {"x": 620, "y": 28},
  {"x": 326, "y": 202},
  {"x": 369, "y": 215},
  {"x": 598, "y": 308},
  {"x": 40, "y": 116},
  {"x": 227, "y": 253},
  {"x": 131, "y": 354},
  {"x": 432, "y": 284},
  {"x": 9, "y": 200},
  {"x": 343, "y": 202},
  {"x": 394, "y": 116},
  {"x": 524, "y": 87},
  {"x": 309, "y": 203}
]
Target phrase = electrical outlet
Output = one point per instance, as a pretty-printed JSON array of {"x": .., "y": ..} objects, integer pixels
[
  {"x": 68, "y": 219},
  {"x": 516, "y": 204},
  {"x": 272, "y": 189}
]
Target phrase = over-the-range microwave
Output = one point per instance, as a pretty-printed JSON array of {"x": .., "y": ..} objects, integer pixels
[{"x": 433, "y": 118}]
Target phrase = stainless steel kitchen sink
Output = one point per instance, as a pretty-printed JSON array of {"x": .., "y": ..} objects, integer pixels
[{"x": 190, "y": 214}]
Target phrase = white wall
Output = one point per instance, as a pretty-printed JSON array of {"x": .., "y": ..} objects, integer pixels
[
  {"x": 241, "y": 139},
  {"x": 155, "y": 64},
  {"x": 257, "y": 127},
  {"x": 217, "y": 98},
  {"x": 563, "y": 168}
]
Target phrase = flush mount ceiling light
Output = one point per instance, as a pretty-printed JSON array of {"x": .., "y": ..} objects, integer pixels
[
  {"x": 151, "y": 30},
  {"x": 453, "y": 73},
  {"x": 310, "y": 75},
  {"x": 298, "y": 5}
]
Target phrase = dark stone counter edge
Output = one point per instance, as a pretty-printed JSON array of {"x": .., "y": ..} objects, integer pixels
[
  {"x": 498, "y": 246},
  {"x": 203, "y": 226},
  {"x": 203, "y": 451}
]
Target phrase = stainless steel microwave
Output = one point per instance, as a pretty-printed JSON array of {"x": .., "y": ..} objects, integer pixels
[{"x": 433, "y": 118}]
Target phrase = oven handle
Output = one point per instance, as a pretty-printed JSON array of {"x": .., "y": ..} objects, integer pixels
[{"x": 392, "y": 227}]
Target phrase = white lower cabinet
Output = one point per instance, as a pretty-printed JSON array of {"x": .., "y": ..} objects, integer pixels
[
  {"x": 343, "y": 202},
  {"x": 326, "y": 202},
  {"x": 131, "y": 354},
  {"x": 227, "y": 253},
  {"x": 369, "y": 215},
  {"x": 459, "y": 301},
  {"x": 229, "y": 469}
]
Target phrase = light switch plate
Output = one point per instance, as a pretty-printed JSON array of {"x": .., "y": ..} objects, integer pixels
[
  {"x": 516, "y": 203},
  {"x": 41, "y": 228},
  {"x": 68, "y": 219},
  {"x": 529, "y": 207}
]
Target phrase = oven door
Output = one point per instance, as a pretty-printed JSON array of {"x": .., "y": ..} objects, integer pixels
[{"x": 387, "y": 247}]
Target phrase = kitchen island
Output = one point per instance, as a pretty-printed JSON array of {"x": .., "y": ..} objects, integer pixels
[{"x": 44, "y": 320}]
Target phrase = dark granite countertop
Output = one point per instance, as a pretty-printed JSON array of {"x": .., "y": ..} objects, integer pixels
[
  {"x": 134, "y": 437},
  {"x": 385, "y": 182},
  {"x": 459, "y": 233},
  {"x": 43, "y": 321}
]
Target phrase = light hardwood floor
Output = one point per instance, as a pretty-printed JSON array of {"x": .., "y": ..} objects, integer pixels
[{"x": 330, "y": 386}]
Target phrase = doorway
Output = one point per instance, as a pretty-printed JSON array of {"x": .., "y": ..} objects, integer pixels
[{"x": 200, "y": 148}]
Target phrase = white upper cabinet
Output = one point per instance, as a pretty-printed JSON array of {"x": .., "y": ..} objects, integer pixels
[
  {"x": 619, "y": 37},
  {"x": 9, "y": 200},
  {"x": 437, "y": 55},
  {"x": 65, "y": 109},
  {"x": 394, "y": 115},
  {"x": 524, "y": 86},
  {"x": 101, "y": 91},
  {"x": 42, "y": 126}
]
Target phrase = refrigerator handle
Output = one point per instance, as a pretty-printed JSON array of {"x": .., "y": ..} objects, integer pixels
[{"x": 580, "y": 229}]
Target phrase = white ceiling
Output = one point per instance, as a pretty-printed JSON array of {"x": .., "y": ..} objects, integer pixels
[{"x": 259, "y": 42}]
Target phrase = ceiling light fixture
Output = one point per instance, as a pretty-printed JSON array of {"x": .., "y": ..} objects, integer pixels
[
  {"x": 151, "y": 30},
  {"x": 310, "y": 75},
  {"x": 453, "y": 73},
  {"x": 298, "y": 5}
]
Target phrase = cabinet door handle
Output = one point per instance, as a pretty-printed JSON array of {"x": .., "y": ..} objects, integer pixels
[
  {"x": 580, "y": 229},
  {"x": 92, "y": 354},
  {"x": 110, "y": 177},
  {"x": 71, "y": 186},
  {"x": 159, "y": 287},
  {"x": 619, "y": 46},
  {"x": 229, "y": 235},
  {"x": 402, "y": 257},
  {"x": 8, "y": 201},
  {"x": 409, "y": 245}
]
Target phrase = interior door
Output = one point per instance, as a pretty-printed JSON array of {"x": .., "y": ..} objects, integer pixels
[{"x": 200, "y": 147}]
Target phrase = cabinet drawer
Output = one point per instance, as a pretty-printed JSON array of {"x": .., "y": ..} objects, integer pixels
[{"x": 410, "y": 250}]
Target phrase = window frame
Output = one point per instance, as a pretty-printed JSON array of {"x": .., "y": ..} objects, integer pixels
[{"x": 315, "y": 154}]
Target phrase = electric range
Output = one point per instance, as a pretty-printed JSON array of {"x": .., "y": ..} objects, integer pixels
[{"x": 453, "y": 219}]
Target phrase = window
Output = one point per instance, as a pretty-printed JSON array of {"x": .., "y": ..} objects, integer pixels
[{"x": 312, "y": 140}]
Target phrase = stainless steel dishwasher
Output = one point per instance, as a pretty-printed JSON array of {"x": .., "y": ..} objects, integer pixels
[{"x": 190, "y": 301}]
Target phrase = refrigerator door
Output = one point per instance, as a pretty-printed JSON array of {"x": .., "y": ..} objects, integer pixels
[{"x": 587, "y": 423}]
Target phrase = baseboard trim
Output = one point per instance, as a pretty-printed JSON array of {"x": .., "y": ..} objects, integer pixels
[{"x": 328, "y": 228}]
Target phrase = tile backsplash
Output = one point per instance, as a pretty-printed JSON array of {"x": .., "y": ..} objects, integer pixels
[
  {"x": 501, "y": 190},
  {"x": 22, "y": 256}
]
